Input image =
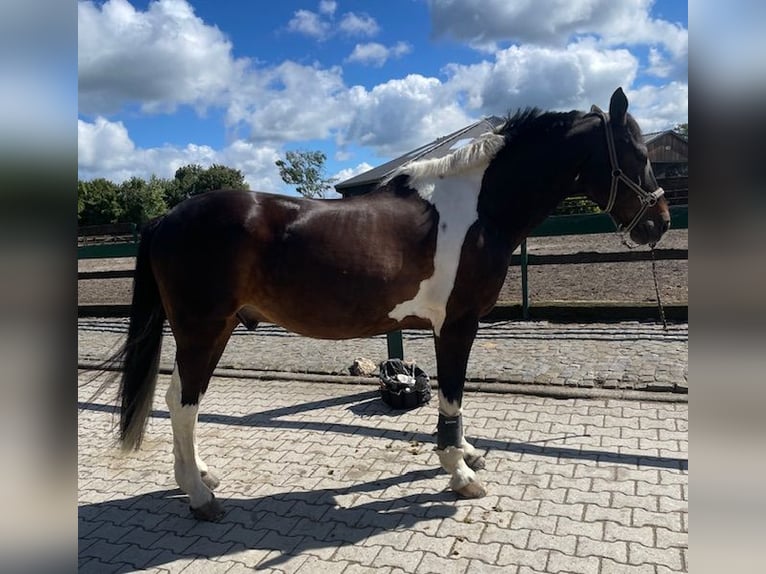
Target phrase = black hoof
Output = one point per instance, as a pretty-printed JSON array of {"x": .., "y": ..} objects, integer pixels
[
  {"x": 211, "y": 511},
  {"x": 210, "y": 480},
  {"x": 475, "y": 462}
]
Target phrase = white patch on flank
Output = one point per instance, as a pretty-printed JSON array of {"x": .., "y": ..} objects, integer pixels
[
  {"x": 187, "y": 466},
  {"x": 452, "y": 185}
]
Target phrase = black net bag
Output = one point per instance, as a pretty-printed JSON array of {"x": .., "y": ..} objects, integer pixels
[{"x": 403, "y": 385}]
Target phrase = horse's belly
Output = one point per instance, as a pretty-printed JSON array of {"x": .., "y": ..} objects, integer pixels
[{"x": 328, "y": 321}]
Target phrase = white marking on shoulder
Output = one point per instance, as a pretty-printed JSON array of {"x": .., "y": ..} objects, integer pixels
[{"x": 452, "y": 185}]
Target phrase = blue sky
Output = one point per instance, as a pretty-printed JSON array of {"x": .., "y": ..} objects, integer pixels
[{"x": 171, "y": 82}]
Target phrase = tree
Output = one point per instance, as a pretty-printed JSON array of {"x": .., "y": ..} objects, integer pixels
[
  {"x": 193, "y": 179},
  {"x": 576, "y": 204},
  {"x": 140, "y": 201},
  {"x": 682, "y": 130},
  {"x": 97, "y": 202},
  {"x": 305, "y": 170}
]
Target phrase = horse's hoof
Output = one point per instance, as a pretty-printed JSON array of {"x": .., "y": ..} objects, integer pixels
[
  {"x": 211, "y": 480},
  {"x": 476, "y": 462},
  {"x": 211, "y": 511},
  {"x": 472, "y": 490}
]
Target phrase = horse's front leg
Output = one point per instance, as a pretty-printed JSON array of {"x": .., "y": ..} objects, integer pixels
[{"x": 457, "y": 456}]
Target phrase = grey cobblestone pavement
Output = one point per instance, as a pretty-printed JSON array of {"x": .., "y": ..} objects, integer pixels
[
  {"x": 628, "y": 355},
  {"x": 322, "y": 478}
]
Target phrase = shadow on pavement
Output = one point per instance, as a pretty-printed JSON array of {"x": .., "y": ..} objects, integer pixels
[
  {"x": 290, "y": 524},
  {"x": 271, "y": 419}
]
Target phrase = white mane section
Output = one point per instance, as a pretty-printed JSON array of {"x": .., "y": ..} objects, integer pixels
[{"x": 476, "y": 155}]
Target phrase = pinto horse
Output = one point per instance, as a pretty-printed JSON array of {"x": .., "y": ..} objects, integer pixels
[{"x": 428, "y": 249}]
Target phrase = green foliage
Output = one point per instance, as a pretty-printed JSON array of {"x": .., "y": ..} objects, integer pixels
[
  {"x": 97, "y": 202},
  {"x": 682, "y": 130},
  {"x": 136, "y": 200},
  {"x": 576, "y": 205},
  {"x": 139, "y": 200},
  {"x": 306, "y": 171},
  {"x": 193, "y": 179}
]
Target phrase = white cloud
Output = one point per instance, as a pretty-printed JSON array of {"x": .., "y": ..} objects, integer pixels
[
  {"x": 328, "y": 7},
  {"x": 375, "y": 54},
  {"x": 105, "y": 149},
  {"x": 350, "y": 172},
  {"x": 290, "y": 102},
  {"x": 322, "y": 25},
  {"x": 550, "y": 78},
  {"x": 659, "y": 108},
  {"x": 399, "y": 115},
  {"x": 558, "y": 22},
  {"x": 358, "y": 25},
  {"x": 158, "y": 59},
  {"x": 310, "y": 24}
]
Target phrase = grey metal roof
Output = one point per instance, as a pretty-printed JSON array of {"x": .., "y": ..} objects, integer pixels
[
  {"x": 651, "y": 136},
  {"x": 437, "y": 148}
]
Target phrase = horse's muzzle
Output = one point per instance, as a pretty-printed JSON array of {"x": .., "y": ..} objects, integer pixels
[{"x": 650, "y": 230}]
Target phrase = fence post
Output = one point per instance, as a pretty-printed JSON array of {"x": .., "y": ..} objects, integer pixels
[
  {"x": 395, "y": 345},
  {"x": 524, "y": 282}
]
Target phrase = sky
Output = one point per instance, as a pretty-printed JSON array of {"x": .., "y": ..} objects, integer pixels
[{"x": 166, "y": 83}]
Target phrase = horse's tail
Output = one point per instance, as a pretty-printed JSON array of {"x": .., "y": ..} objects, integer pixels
[{"x": 140, "y": 356}]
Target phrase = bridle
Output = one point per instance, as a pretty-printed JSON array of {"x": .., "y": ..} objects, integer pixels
[{"x": 646, "y": 198}]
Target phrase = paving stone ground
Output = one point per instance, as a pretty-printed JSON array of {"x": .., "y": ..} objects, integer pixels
[{"x": 321, "y": 477}]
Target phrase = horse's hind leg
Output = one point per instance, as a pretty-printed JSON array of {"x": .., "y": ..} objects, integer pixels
[
  {"x": 199, "y": 346},
  {"x": 173, "y": 400}
]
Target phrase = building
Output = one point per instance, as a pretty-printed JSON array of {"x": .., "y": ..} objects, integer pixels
[{"x": 669, "y": 154}]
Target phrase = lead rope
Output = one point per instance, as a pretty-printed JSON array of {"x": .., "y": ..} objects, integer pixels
[{"x": 657, "y": 291}]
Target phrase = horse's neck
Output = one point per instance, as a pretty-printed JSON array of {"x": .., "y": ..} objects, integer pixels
[{"x": 525, "y": 184}]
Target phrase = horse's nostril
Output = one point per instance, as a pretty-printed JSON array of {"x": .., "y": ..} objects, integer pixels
[{"x": 665, "y": 225}]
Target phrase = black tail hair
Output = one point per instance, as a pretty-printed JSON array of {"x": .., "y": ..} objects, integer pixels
[{"x": 140, "y": 355}]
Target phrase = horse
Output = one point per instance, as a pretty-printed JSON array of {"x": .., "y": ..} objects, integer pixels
[{"x": 429, "y": 248}]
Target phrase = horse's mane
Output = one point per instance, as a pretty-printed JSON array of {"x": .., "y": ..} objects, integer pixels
[
  {"x": 479, "y": 153},
  {"x": 475, "y": 155},
  {"x": 522, "y": 122}
]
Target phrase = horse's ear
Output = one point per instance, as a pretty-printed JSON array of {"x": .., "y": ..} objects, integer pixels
[
  {"x": 618, "y": 107},
  {"x": 594, "y": 109}
]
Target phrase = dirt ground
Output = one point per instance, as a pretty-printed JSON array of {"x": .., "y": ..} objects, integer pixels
[{"x": 622, "y": 282}]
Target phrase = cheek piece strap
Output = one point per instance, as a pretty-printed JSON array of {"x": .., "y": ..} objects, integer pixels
[{"x": 449, "y": 431}]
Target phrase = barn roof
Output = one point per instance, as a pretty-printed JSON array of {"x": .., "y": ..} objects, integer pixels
[
  {"x": 653, "y": 136},
  {"x": 435, "y": 149}
]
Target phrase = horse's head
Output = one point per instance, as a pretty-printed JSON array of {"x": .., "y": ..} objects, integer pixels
[{"x": 618, "y": 175}]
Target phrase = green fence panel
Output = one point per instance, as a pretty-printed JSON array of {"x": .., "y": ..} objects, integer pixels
[
  {"x": 107, "y": 250},
  {"x": 598, "y": 223}
]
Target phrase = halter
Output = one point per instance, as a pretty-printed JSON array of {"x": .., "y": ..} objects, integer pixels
[{"x": 647, "y": 199}]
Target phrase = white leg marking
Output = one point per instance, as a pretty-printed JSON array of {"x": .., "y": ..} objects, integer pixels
[
  {"x": 183, "y": 419},
  {"x": 468, "y": 449},
  {"x": 452, "y": 461},
  {"x": 456, "y": 199},
  {"x": 447, "y": 407}
]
